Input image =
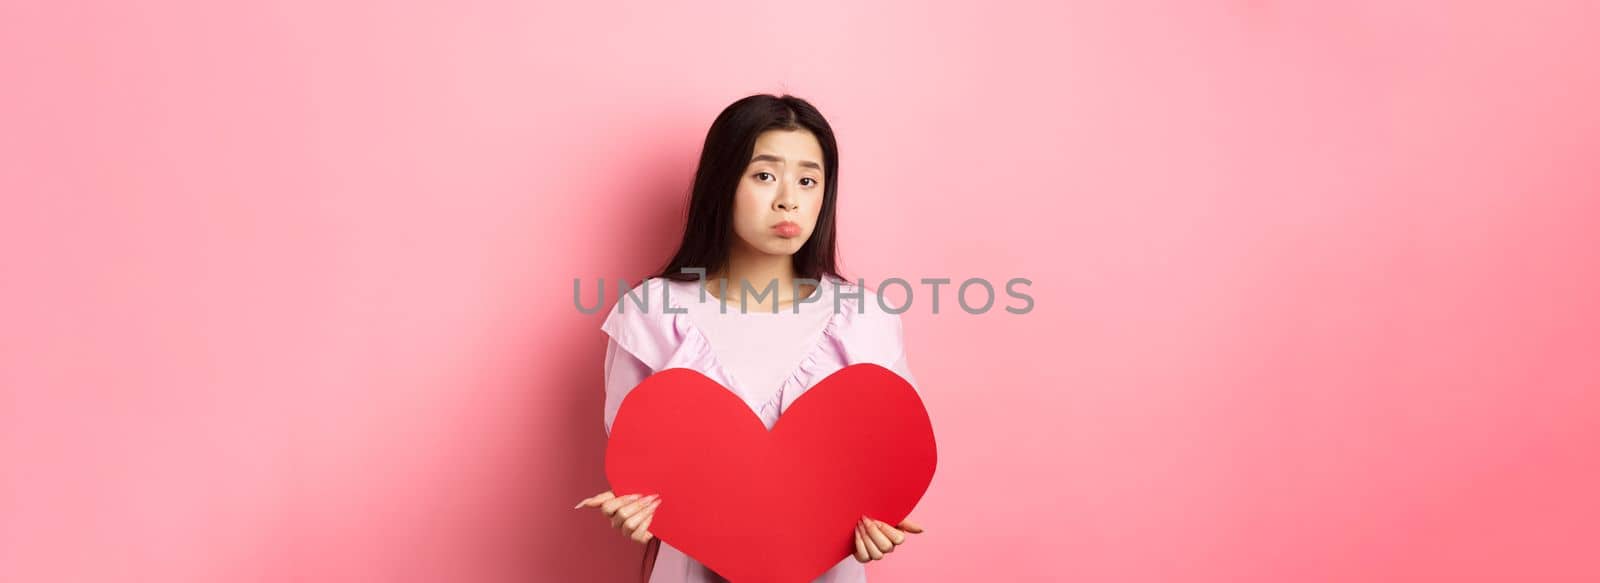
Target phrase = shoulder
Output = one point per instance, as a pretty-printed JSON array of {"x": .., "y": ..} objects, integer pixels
[
  {"x": 647, "y": 297},
  {"x": 865, "y": 328},
  {"x": 643, "y": 319},
  {"x": 864, "y": 303}
]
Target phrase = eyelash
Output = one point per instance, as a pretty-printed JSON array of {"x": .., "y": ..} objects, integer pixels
[{"x": 813, "y": 180}]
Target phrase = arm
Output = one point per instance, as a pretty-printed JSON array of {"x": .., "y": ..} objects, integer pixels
[
  {"x": 899, "y": 364},
  {"x": 624, "y": 371},
  {"x": 631, "y": 513},
  {"x": 875, "y": 539}
]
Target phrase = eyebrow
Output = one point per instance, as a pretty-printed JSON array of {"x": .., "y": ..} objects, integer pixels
[{"x": 772, "y": 158}]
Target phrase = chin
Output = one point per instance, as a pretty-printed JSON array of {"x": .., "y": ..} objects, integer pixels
[{"x": 786, "y": 246}]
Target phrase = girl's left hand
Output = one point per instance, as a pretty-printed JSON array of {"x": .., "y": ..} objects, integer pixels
[{"x": 875, "y": 538}]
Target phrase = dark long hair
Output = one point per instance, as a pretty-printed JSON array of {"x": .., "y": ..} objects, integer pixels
[{"x": 708, "y": 229}]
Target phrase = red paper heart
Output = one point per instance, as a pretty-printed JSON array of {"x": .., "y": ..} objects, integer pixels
[{"x": 780, "y": 506}]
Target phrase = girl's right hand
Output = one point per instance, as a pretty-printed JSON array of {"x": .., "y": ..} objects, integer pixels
[{"x": 631, "y": 514}]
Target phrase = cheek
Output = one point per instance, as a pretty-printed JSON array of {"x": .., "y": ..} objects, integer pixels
[
  {"x": 748, "y": 209},
  {"x": 743, "y": 194},
  {"x": 746, "y": 200}
]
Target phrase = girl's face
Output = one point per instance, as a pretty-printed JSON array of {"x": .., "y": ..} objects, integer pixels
[{"x": 780, "y": 194}]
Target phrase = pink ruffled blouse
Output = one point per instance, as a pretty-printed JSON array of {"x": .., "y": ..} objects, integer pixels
[{"x": 845, "y": 325}]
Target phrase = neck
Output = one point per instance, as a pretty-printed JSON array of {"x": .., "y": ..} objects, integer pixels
[{"x": 760, "y": 270}]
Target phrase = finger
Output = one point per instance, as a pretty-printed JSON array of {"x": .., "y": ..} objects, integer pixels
[
  {"x": 861, "y": 545},
  {"x": 878, "y": 538},
  {"x": 611, "y": 504},
  {"x": 894, "y": 534},
  {"x": 874, "y": 546},
  {"x": 642, "y": 533},
  {"x": 596, "y": 499},
  {"x": 631, "y": 509},
  {"x": 910, "y": 527},
  {"x": 633, "y": 520},
  {"x": 610, "y": 507}
]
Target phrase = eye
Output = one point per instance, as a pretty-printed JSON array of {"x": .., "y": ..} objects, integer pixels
[
  {"x": 813, "y": 180},
  {"x": 760, "y": 174}
]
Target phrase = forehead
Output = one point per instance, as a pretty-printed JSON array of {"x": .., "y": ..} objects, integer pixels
[{"x": 789, "y": 144}]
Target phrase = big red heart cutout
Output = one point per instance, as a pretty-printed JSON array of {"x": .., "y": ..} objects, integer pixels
[{"x": 780, "y": 506}]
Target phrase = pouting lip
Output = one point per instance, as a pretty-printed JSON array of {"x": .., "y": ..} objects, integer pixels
[{"x": 784, "y": 223}]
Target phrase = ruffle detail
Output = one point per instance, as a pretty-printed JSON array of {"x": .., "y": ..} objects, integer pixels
[
  {"x": 660, "y": 338},
  {"x": 858, "y": 331}
]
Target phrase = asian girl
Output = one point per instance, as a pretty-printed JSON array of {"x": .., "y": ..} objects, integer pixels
[{"x": 768, "y": 316}]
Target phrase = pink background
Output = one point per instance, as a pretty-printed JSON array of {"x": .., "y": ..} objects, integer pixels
[{"x": 287, "y": 285}]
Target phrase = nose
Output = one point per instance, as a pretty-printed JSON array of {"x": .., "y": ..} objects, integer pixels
[{"x": 784, "y": 203}]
